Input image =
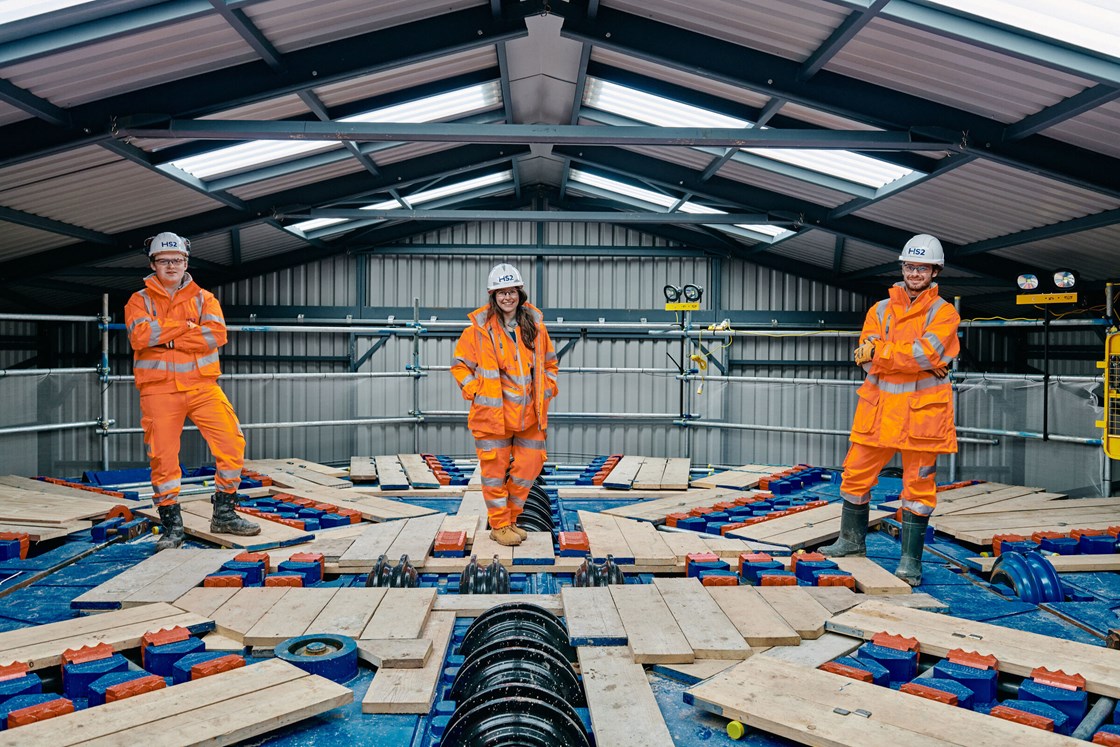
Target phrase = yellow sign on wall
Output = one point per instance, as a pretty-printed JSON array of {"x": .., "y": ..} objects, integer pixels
[
  {"x": 1027, "y": 299},
  {"x": 683, "y": 306}
]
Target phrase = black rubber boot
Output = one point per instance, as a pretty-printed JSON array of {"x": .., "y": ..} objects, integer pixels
[
  {"x": 913, "y": 540},
  {"x": 172, "y": 536},
  {"x": 226, "y": 521},
  {"x": 853, "y": 532}
]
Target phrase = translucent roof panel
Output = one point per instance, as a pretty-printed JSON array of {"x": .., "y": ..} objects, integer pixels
[
  {"x": 1089, "y": 24},
  {"x": 245, "y": 156},
  {"x": 17, "y": 10},
  {"x": 658, "y": 110},
  {"x": 666, "y": 201},
  {"x": 307, "y": 227}
]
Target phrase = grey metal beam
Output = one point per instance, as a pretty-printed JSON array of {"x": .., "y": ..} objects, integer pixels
[
  {"x": 444, "y": 132},
  {"x": 840, "y": 36},
  {"x": 245, "y": 28},
  {"x": 1054, "y": 230},
  {"x": 548, "y": 216},
  {"x": 530, "y": 250},
  {"x": 1075, "y": 105},
  {"x": 55, "y": 226},
  {"x": 30, "y": 103}
]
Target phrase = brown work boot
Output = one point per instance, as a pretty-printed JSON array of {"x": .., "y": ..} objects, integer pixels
[
  {"x": 505, "y": 536},
  {"x": 519, "y": 531}
]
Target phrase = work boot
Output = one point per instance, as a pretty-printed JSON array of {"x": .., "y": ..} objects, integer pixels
[
  {"x": 913, "y": 540},
  {"x": 172, "y": 536},
  {"x": 505, "y": 536},
  {"x": 519, "y": 531},
  {"x": 853, "y": 532},
  {"x": 226, "y": 521}
]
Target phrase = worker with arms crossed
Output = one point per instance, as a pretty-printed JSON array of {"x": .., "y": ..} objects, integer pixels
[
  {"x": 175, "y": 328},
  {"x": 506, "y": 366},
  {"x": 905, "y": 404}
]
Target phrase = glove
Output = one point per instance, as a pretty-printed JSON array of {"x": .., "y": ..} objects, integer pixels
[
  {"x": 940, "y": 372},
  {"x": 865, "y": 352}
]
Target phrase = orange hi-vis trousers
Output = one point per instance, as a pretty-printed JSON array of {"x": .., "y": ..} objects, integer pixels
[
  {"x": 505, "y": 497},
  {"x": 919, "y": 476},
  {"x": 162, "y": 417}
]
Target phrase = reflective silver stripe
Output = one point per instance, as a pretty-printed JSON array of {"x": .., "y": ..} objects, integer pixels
[
  {"x": 153, "y": 333},
  {"x": 212, "y": 318},
  {"x": 550, "y": 356},
  {"x": 229, "y": 474},
  {"x": 858, "y": 500},
  {"x": 889, "y": 387},
  {"x": 536, "y": 444},
  {"x": 468, "y": 363},
  {"x": 518, "y": 399},
  {"x": 920, "y": 356},
  {"x": 487, "y": 401},
  {"x": 176, "y": 367},
  {"x": 488, "y": 373},
  {"x": 169, "y": 485},
  {"x": 937, "y": 304},
  {"x": 548, "y": 395},
  {"x": 934, "y": 342},
  {"x": 496, "y": 502},
  {"x": 538, "y": 317},
  {"x": 929, "y": 471},
  {"x": 469, "y": 379},
  {"x": 492, "y": 443},
  {"x": 137, "y": 322},
  {"x": 206, "y": 360},
  {"x": 517, "y": 502},
  {"x": 156, "y": 365},
  {"x": 493, "y": 482},
  {"x": 881, "y": 309},
  {"x": 147, "y": 302},
  {"x": 198, "y": 300},
  {"x": 480, "y": 318},
  {"x": 207, "y": 335},
  {"x": 521, "y": 483},
  {"x": 550, "y": 375},
  {"x": 916, "y": 507},
  {"x": 519, "y": 380}
]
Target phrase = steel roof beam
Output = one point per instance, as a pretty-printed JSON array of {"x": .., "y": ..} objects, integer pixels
[
  {"x": 55, "y": 226},
  {"x": 841, "y": 35},
  {"x": 547, "y": 216}
]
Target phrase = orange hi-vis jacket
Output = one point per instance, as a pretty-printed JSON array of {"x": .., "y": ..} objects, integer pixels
[
  {"x": 502, "y": 377},
  {"x": 175, "y": 339},
  {"x": 902, "y": 404}
]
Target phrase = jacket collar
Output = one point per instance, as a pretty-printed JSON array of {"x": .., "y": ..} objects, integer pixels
[
  {"x": 152, "y": 283},
  {"x": 480, "y": 316},
  {"x": 899, "y": 295}
]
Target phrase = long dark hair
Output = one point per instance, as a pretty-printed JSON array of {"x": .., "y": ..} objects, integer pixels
[{"x": 524, "y": 318}]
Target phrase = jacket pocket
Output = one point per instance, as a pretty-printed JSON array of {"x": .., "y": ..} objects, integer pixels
[
  {"x": 931, "y": 415},
  {"x": 866, "y": 410}
]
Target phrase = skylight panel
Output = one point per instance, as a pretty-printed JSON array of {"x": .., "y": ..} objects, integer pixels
[
  {"x": 663, "y": 112},
  {"x": 17, "y": 10},
  {"x": 1089, "y": 24},
  {"x": 244, "y": 156}
]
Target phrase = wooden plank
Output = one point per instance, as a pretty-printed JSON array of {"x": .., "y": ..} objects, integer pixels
[
  {"x": 697, "y": 671},
  {"x": 486, "y": 549},
  {"x": 810, "y": 706},
  {"x": 415, "y": 539},
  {"x": 370, "y": 545},
  {"x": 180, "y": 580},
  {"x": 652, "y": 632},
  {"x": 196, "y": 523},
  {"x": 591, "y": 617},
  {"x": 949, "y": 496},
  {"x": 395, "y": 653},
  {"x": 835, "y": 599},
  {"x": 593, "y": 493},
  {"x": 390, "y": 475},
  {"x": 417, "y": 471},
  {"x": 536, "y": 549},
  {"x": 993, "y": 498},
  {"x": 1062, "y": 563},
  {"x": 657, "y": 509},
  {"x": 473, "y": 605},
  {"x": 348, "y": 612},
  {"x": 218, "y": 642},
  {"x": 872, "y": 578},
  {"x": 1018, "y": 652},
  {"x": 803, "y": 613},
  {"x": 677, "y": 470},
  {"x": 234, "y": 618},
  {"x": 736, "y": 479},
  {"x": 66, "y": 491},
  {"x": 1035, "y": 501},
  {"x": 623, "y": 709},
  {"x": 646, "y": 543},
  {"x": 648, "y": 476},
  {"x": 362, "y": 469},
  {"x": 710, "y": 634},
  {"x": 289, "y": 617},
  {"x": 605, "y": 538},
  {"x": 473, "y": 504},
  {"x": 401, "y": 614},
  {"x": 1066, "y": 515},
  {"x": 683, "y": 543},
  {"x": 36, "y": 533},
  {"x": 110, "y": 593},
  {"x": 1063, "y": 524},
  {"x": 25, "y": 506},
  {"x": 803, "y": 528},
  {"x": 622, "y": 476},
  {"x": 221, "y": 709},
  {"x": 813, "y": 653},
  {"x": 363, "y": 500},
  {"x": 461, "y": 523},
  {"x": 412, "y": 690},
  {"x": 758, "y": 622},
  {"x": 204, "y": 601}
]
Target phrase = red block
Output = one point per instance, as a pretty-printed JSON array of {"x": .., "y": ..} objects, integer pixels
[
  {"x": 311, "y": 557},
  {"x": 123, "y": 690},
  {"x": 672, "y": 519},
  {"x": 731, "y": 527},
  {"x": 1039, "y": 536},
  {"x": 719, "y": 581},
  {"x": 223, "y": 582},
  {"x": 999, "y": 539},
  {"x": 844, "y": 670},
  {"x": 836, "y": 580},
  {"x": 1022, "y": 717},
  {"x": 753, "y": 557},
  {"x": 973, "y": 659},
  {"x": 355, "y": 516},
  {"x": 217, "y": 666},
  {"x": 255, "y": 557},
  {"x": 86, "y": 653},
  {"x": 930, "y": 693},
  {"x": 574, "y": 541},
  {"x": 699, "y": 557},
  {"x": 1059, "y": 678},
  {"x": 1106, "y": 738},
  {"x": 799, "y": 556},
  {"x": 41, "y": 712},
  {"x": 897, "y": 642},
  {"x": 771, "y": 579},
  {"x": 13, "y": 671},
  {"x": 451, "y": 541},
  {"x": 283, "y": 581}
]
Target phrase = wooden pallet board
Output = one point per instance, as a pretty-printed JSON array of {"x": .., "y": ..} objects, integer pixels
[
  {"x": 390, "y": 474},
  {"x": 473, "y": 605},
  {"x": 42, "y": 646},
  {"x": 196, "y": 523},
  {"x": 221, "y": 709},
  {"x": 683, "y": 543},
  {"x": 486, "y": 549},
  {"x": 163, "y": 577},
  {"x": 591, "y": 617},
  {"x": 758, "y": 622},
  {"x": 812, "y": 653},
  {"x": 872, "y": 578},
  {"x": 1062, "y": 563},
  {"x": 456, "y": 523},
  {"x": 810, "y": 706},
  {"x": 657, "y": 509},
  {"x": 605, "y": 538},
  {"x": 1018, "y": 652},
  {"x": 1035, "y": 501},
  {"x": 623, "y": 709},
  {"x": 980, "y": 529},
  {"x": 19, "y": 506},
  {"x": 348, "y": 612},
  {"x": 708, "y": 630},
  {"x": 401, "y": 614},
  {"x": 623, "y": 474},
  {"x": 363, "y": 469},
  {"x": 417, "y": 471},
  {"x": 646, "y": 543},
  {"x": 473, "y": 504},
  {"x": 653, "y": 635},
  {"x": 238, "y": 615},
  {"x": 590, "y": 493},
  {"x": 412, "y": 690},
  {"x": 798, "y": 608},
  {"x": 697, "y": 671},
  {"x": 65, "y": 491},
  {"x": 677, "y": 472},
  {"x": 289, "y": 617},
  {"x": 536, "y": 549},
  {"x": 649, "y": 474},
  {"x": 372, "y": 543},
  {"x": 205, "y": 601},
  {"x": 371, "y": 507},
  {"x": 802, "y": 529},
  {"x": 294, "y": 464},
  {"x": 395, "y": 653},
  {"x": 37, "y": 533},
  {"x": 415, "y": 539},
  {"x": 736, "y": 479}
]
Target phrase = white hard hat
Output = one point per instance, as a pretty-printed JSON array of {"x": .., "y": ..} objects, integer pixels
[
  {"x": 923, "y": 249},
  {"x": 168, "y": 242},
  {"x": 504, "y": 276}
]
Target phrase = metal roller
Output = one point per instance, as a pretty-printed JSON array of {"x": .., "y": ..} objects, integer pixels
[
  {"x": 493, "y": 579},
  {"x": 518, "y": 714},
  {"x": 503, "y": 665},
  {"x": 332, "y": 656},
  {"x": 1031, "y": 576},
  {"x": 518, "y": 625}
]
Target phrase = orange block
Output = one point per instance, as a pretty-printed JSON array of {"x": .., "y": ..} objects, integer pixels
[
  {"x": 930, "y": 693},
  {"x": 719, "y": 581},
  {"x": 574, "y": 541},
  {"x": 771, "y": 579},
  {"x": 846, "y": 671},
  {"x": 672, "y": 519},
  {"x": 217, "y": 666},
  {"x": 1039, "y": 536},
  {"x": 451, "y": 541},
  {"x": 1058, "y": 678},
  {"x": 731, "y": 527},
  {"x": 164, "y": 636},
  {"x": 311, "y": 557},
  {"x": 86, "y": 653},
  {"x": 1079, "y": 533},
  {"x": 13, "y": 671},
  {"x": 799, "y": 556},
  {"x": 122, "y": 512},
  {"x": 255, "y": 557},
  {"x": 836, "y": 580},
  {"x": 1106, "y": 738},
  {"x": 223, "y": 582},
  {"x": 897, "y": 642},
  {"x": 41, "y": 712},
  {"x": 999, "y": 539},
  {"x": 355, "y": 516},
  {"x": 699, "y": 557},
  {"x": 973, "y": 659},
  {"x": 123, "y": 690},
  {"x": 1022, "y": 717},
  {"x": 283, "y": 581}
]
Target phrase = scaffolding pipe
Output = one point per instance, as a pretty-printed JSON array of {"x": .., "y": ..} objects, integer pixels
[
  {"x": 795, "y": 429},
  {"x": 103, "y": 374},
  {"x": 46, "y": 318},
  {"x": 1032, "y": 435},
  {"x": 671, "y": 416},
  {"x": 294, "y": 424},
  {"x": 49, "y": 427},
  {"x": 589, "y": 369},
  {"x": 295, "y": 376},
  {"x": 46, "y": 371},
  {"x": 954, "y": 367}
]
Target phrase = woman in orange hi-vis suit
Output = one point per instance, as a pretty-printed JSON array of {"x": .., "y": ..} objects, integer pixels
[
  {"x": 506, "y": 366},
  {"x": 905, "y": 404},
  {"x": 175, "y": 328}
]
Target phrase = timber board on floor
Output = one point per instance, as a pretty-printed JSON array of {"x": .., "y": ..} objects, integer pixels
[
  {"x": 802, "y": 529},
  {"x": 164, "y": 577},
  {"x": 221, "y": 709},
  {"x": 412, "y": 690},
  {"x": 196, "y": 523},
  {"x": 371, "y": 507},
  {"x": 624, "y": 711}
]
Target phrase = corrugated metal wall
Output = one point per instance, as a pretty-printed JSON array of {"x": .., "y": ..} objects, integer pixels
[{"x": 454, "y": 282}]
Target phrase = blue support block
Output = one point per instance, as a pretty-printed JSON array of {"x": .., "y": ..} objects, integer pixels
[
  {"x": 715, "y": 527},
  {"x": 23, "y": 701},
  {"x": 312, "y": 572},
  {"x": 1073, "y": 703},
  {"x": 880, "y": 673},
  {"x": 781, "y": 487},
  {"x": 98, "y": 687},
  {"x": 761, "y": 507},
  {"x": 902, "y": 665},
  {"x": 717, "y": 516},
  {"x": 98, "y": 532},
  {"x": 1063, "y": 724},
  {"x": 694, "y": 523},
  {"x": 310, "y": 525},
  {"x": 9, "y": 549},
  {"x": 1112, "y": 729},
  {"x": 161, "y": 659},
  {"x": 253, "y": 573},
  {"x": 752, "y": 571},
  {"x": 1024, "y": 546},
  {"x": 982, "y": 682},
  {"x": 76, "y": 678},
  {"x": 328, "y": 521},
  {"x": 1059, "y": 545},
  {"x": 181, "y": 671},
  {"x": 1096, "y": 544},
  {"x": 28, "y": 684},
  {"x": 806, "y": 568},
  {"x": 728, "y": 573},
  {"x": 696, "y": 567},
  {"x": 965, "y": 696}
]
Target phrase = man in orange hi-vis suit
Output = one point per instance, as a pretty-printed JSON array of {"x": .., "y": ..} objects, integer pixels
[
  {"x": 506, "y": 366},
  {"x": 905, "y": 405},
  {"x": 175, "y": 328}
]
